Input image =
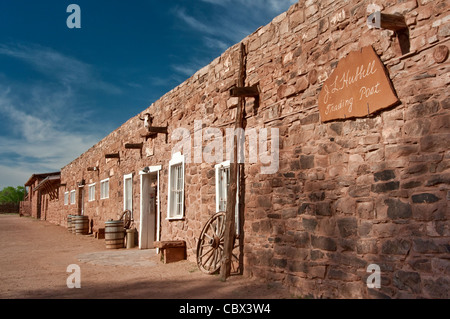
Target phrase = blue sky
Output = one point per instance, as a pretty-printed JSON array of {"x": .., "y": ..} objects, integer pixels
[{"x": 62, "y": 90}]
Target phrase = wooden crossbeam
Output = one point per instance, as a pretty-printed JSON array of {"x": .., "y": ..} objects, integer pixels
[
  {"x": 156, "y": 129},
  {"x": 113, "y": 155},
  {"x": 247, "y": 91},
  {"x": 92, "y": 169},
  {"x": 149, "y": 135},
  {"x": 394, "y": 22},
  {"x": 134, "y": 146}
]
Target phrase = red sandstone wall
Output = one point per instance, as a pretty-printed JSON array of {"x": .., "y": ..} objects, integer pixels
[{"x": 347, "y": 193}]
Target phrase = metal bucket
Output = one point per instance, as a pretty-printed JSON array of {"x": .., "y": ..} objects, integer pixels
[
  {"x": 131, "y": 238},
  {"x": 81, "y": 225},
  {"x": 114, "y": 234}
]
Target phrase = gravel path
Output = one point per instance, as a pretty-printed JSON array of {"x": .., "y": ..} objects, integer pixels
[{"x": 35, "y": 255}]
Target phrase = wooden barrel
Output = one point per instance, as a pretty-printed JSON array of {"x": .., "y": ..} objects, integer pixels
[
  {"x": 81, "y": 225},
  {"x": 73, "y": 223},
  {"x": 69, "y": 223},
  {"x": 114, "y": 234}
]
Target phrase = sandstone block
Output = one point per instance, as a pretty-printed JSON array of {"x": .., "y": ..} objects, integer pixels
[
  {"x": 384, "y": 175},
  {"x": 385, "y": 187},
  {"x": 398, "y": 209},
  {"x": 324, "y": 243},
  {"x": 347, "y": 226},
  {"x": 437, "y": 287},
  {"x": 435, "y": 142},
  {"x": 396, "y": 247},
  {"x": 424, "y": 198},
  {"x": 407, "y": 280},
  {"x": 306, "y": 161}
]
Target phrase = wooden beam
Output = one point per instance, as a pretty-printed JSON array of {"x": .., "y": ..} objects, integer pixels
[
  {"x": 92, "y": 169},
  {"x": 394, "y": 22},
  {"x": 149, "y": 135},
  {"x": 247, "y": 91},
  {"x": 155, "y": 129},
  {"x": 134, "y": 146},
  {"x": 230, "y": 228},
  {"x": 113, "y": 155}
]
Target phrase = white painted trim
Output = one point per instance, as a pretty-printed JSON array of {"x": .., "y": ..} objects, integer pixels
[
  {"x": 89, "y": 192},
  {"x": 151, "y": 169},
  {"x": 74, "y": 197},
  {"x": 101, "y": 182},
  {"x": 68, "y": 198},
  {"x": 177, "y": 158},
  {"x": 125, "y": 177},
  {"x": 216, "y": 168}
]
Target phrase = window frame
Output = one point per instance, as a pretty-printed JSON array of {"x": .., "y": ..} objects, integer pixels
[
  {"x": 217, "y": 169},
  {"x": 125, "y": 178},
  {"x": 73, "y": 199},
  {"x": 102, "y": 188},
  {"x": 66, "y": 198},
  {"x": 172, "y": 214},
  {"x": 91, "y": 192}
]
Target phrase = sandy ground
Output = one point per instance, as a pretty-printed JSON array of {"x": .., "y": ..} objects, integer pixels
[{"x": 34, "y": 256}]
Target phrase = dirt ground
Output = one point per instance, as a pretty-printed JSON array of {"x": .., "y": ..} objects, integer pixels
[{"x": 34, "y": 256}]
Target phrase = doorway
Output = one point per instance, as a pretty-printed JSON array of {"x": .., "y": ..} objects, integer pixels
[
  {"x": 149, "y": 226},
  {"x": 80, "y": 200}
]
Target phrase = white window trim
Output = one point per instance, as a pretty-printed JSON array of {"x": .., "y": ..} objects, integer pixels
[
  {"x": 66, "y": 198},
  {"x": 102, "y": 194},
  {"x": 177, "y": 158},
  {"x": 125, "y": 177},
  {"x": 217, "y": 167},
  {"x": 90, "y": 186},
  {"x": 74, "y": 197}
]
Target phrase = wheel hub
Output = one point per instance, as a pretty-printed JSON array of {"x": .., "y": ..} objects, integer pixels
[{"x": 215, "y": 242}]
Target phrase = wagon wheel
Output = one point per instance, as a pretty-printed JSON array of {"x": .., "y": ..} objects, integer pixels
[
  {"x": 210, "y": 246},
  {"x": 126, "y": 217}
]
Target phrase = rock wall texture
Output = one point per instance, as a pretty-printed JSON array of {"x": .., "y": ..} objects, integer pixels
[{"x": 347, "y": 193}]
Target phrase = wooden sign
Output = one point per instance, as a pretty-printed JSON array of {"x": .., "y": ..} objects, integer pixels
[{"x": 357, "y": 87}]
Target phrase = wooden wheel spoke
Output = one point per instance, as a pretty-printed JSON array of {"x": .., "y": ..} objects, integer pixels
[
  {"x": 210, "y": 246},
  {"x": 204, "y": 254}
]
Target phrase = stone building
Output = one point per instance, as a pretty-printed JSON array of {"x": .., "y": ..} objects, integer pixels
[
  {"x": 322, "y": 200},
  {"x": 42, "y": 197}
]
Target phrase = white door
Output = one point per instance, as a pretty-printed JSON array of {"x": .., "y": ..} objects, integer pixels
[{"x": 149, "y": 210}]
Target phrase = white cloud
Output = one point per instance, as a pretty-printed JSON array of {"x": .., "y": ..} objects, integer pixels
[
  {"x": 193, "y": 22},
  {"x": 227, "y": 23},
  {"x": 14, "y": 176},
  {"x": 37, "y": 140},
  {"x": 64, "y": 69}
]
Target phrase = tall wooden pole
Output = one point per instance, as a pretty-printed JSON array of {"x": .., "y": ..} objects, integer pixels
[{"x": 230, "y": 225}]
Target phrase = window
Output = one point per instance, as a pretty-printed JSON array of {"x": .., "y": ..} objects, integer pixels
[
  {"x": 175, "y": 207},
  {"x": 128, "y": 193},
  {"x": 72, "y": 197},
  {"x": 104, "y": 188},
  {"x": 66, "y": 198},
  {"x": 91, "y": 192},
  {"x": 222, "y": 182}
]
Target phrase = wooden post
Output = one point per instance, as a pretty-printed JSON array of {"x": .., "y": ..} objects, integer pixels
[{"x": 230, "y": 228}]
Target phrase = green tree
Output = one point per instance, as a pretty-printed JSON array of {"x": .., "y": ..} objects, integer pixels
[{"x": 12, "y": 195}]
